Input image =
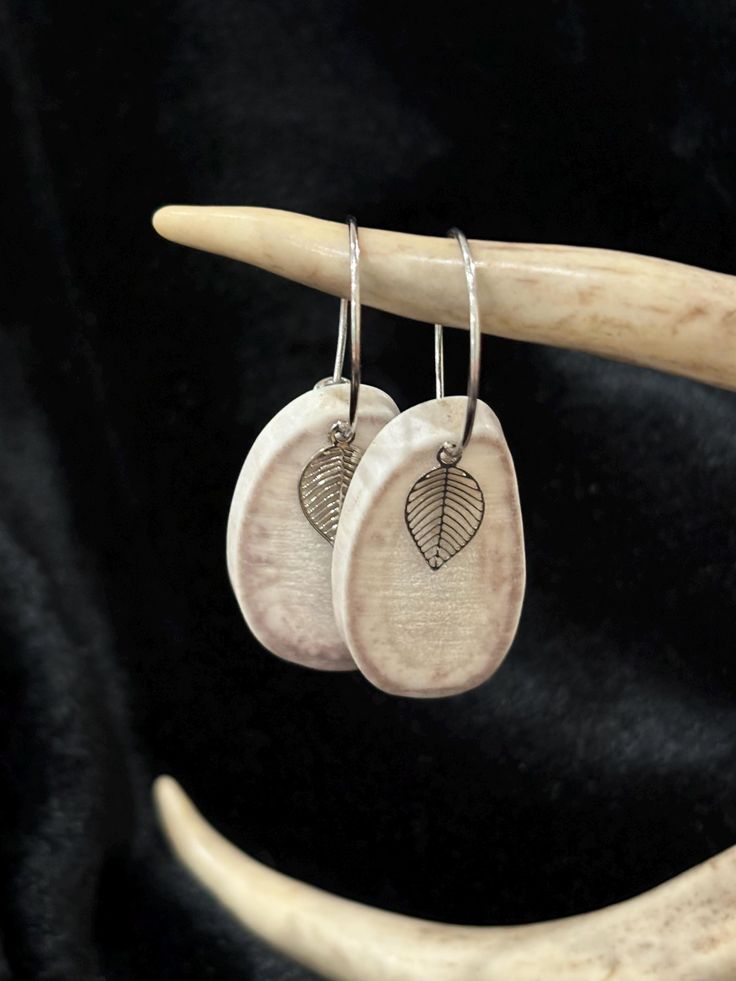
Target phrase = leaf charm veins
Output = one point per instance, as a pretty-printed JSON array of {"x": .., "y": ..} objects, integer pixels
[
  {"x": 323, "y": 485},
  {"x": 444, "y": 510}
]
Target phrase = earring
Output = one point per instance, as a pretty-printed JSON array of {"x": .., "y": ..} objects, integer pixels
[
  {"x": 288, "y": 499},
  {"x": 428, "y": 567}
]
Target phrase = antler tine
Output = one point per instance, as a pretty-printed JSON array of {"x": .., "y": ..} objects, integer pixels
[
  {"x": 683, "y": 929},
  {"x": 633, "y": 308}
]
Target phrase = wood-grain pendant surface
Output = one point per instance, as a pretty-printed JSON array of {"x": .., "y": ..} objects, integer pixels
[
  {"x": 279, "y": 565},
  {"x": 415, "y": 630}
]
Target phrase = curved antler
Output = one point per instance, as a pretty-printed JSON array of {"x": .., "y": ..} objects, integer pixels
[
  {"x": 684, "y": 929},
  {"x": 628, "y": 307}
]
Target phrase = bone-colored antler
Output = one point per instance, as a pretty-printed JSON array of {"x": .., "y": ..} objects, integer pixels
[
  {"x": 684, "y": 929},
  {"x": 627, "y": 307}
]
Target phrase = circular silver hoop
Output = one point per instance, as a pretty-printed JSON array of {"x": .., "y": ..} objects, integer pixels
[
  {"x": 352, "y": 306},
  {"x": 342, "y": 336},
  {"x": 450, "y": 453},
  {"x": 354, "y": 320}
]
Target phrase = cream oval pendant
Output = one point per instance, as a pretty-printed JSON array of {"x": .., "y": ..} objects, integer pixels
[
  {"x": 428, "y": 568},
  {"x": 278, "y": 554}
]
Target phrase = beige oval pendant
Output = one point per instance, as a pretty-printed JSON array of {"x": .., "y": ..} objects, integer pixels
[
  {"x": 279, "y": 556},
  {"x": 428, "y": 568}
]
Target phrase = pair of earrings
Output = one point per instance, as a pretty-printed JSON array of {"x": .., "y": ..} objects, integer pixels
[{"x": 358, "y": 539}]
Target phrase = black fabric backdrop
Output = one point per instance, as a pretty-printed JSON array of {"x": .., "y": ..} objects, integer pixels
[{"x": 135, "y": 374}]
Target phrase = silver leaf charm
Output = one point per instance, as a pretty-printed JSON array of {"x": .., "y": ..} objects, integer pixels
[
  {"x": 323, "y": 485},
  {"x": 444, "y": 510}
]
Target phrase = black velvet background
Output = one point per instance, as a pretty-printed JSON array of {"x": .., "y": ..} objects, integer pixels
[{"x": 135, "y": 374}]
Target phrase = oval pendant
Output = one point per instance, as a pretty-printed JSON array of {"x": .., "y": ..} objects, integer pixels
[
  {"x": 428, "y": 568},
  {"x": 278, "y": 553}
]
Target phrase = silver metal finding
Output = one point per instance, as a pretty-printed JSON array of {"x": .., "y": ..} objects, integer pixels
[
  {"x": 451, "y": 453},
  {"x": 342, "y": 337},
  {"x": 354, "y": 321},
  {"x": 326, "y": 477},
  {"x": 344, "y": 430},
  {"x": 439, "y": 362}
]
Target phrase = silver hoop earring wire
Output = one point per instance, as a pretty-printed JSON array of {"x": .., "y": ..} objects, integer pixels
[
  {"x": 342, "y": 336},
  {"x": 355, "y": 325},
  {"x": 451, "y": 453},
  {"x": 345, "y": 432}
]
